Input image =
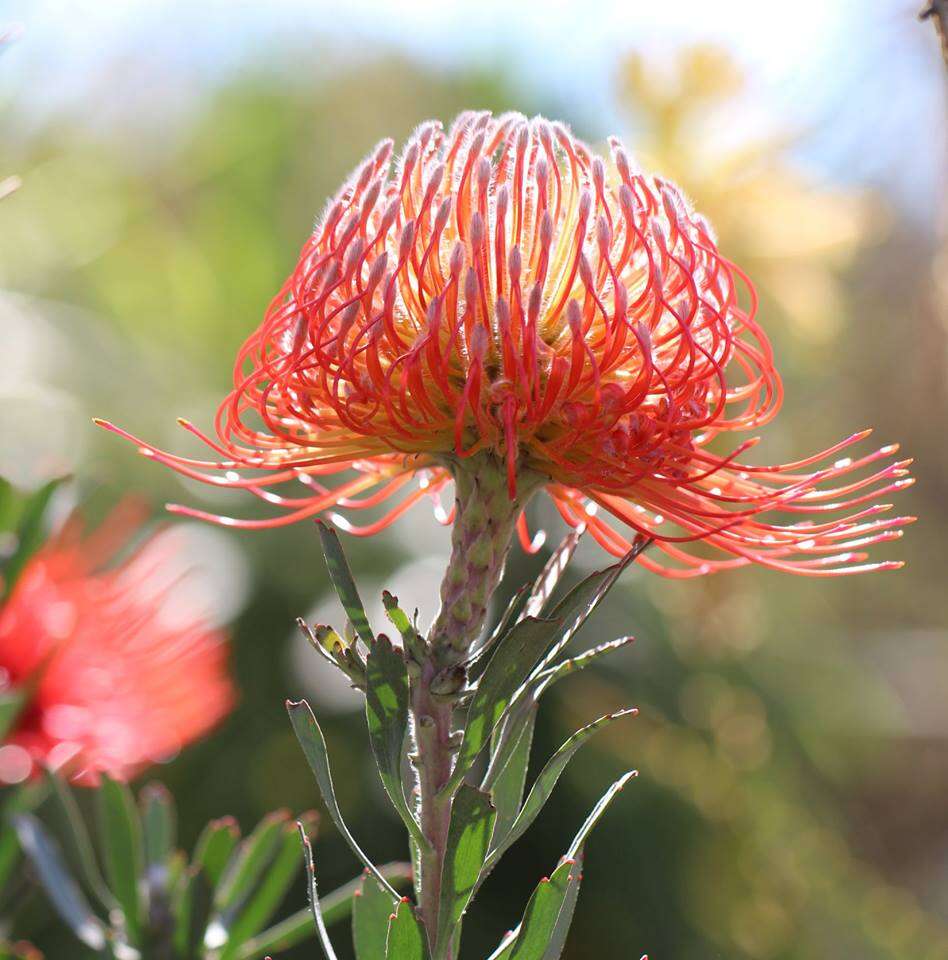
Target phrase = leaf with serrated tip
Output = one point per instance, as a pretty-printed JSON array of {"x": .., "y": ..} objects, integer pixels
[
  {"x": 545, "y": 782},
  {"x": 406, "y": 937},
  {"x": 313, "y": 742},
  {"x": 596, "y": 813},
  {"x": 545, "y": 679},
  {"x": 546, "y": 918},
  {"x": 342, "y": 580},
  {"x": 577, "y": 606},
  {"x": 214, "y": 848},
  {"x": 371, "y": 909}
]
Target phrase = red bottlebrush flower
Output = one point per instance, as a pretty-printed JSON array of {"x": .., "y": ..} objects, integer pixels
[
  {"x": 114, "y": 676},
  {"x": 503, "y": 288}
]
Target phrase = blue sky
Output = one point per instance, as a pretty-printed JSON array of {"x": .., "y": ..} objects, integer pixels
[{"x": 863, "y": 79}]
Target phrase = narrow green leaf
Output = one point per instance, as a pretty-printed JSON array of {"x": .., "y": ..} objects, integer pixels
[
  {"x": 596, "y": 814},
  {"x": 251, "y": 859},
  {"x": 371, "y": 909},
  {"x": 270, "y": 883},
  {"x": 30, "y": 532},
  {"x": 507, "y": 790},
  {"x": 321, "y": 931},
  {"x": 472, "y": 825},
  {"x": 547, "y": 677},
  {"x": 61, "y": 817},
  {"x": 120, "y": 831},
  {"x": 551, "y": 903},
  {"x": 11, "y": 703},
  {"x": 564, "y": 920},
  {"x": 386, "y": 711},
  {"x": 477, "y": 663},
  {"x": 313, "y": 743},
  {"x": 554, "y": 568},
  {"x": 399, "y": 619},
  {"x": 406, "y": 936},
  {"x": 158, "y": 823},
  {"x": 576, "y": 607},
  {"x": 516, "y": 655},
  {"x": 546, "y": 781},
  {"x": 335, "y": 906},
  {"x": 60, "y": 887},
  {"x": 214, "y": 848},
  {"x": 191, "y": 910},
  {"x": 341, "y": 576}
]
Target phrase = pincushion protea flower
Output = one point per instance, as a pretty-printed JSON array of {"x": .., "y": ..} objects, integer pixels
[
  {"x": 113, "y": 675},
  {"x": 503, "y": 291}
]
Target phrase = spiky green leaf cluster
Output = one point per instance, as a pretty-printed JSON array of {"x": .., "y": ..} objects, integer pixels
[{"x": 126, "y": 891}]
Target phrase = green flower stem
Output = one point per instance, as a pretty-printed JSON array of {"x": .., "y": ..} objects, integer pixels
[
  {"x": 480, "y": 540},
  {"x": 483, "y": 529}
]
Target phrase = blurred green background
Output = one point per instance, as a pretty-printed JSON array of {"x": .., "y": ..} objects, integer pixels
[{"x": 793, "y": 739}]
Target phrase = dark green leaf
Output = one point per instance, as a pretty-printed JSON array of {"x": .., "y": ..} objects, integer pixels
[
  {"x": 371, "y": 909},
  {"x": 271, "y": 883},
  {"x": 406, "y": 936},
  {"x": 217, "y": 842},
  {"x": 516, "y": 655},
  {"x": 342, "y": 580},
  {"x": 546, "y": 781},
  {"x": 158, "y": 823},
  {"x": 596, "y": 813},
  {"x": 30, "y": 532},
  {"x": 386, "y": 710},
  {"x": 191, "y": 910},
  {"x": 507, "y": 790},
  {"x": 575, "y": 608},
  {"x": 542, "y": 932},
  {"x": 545, "y": 679},
  {"x": 120, "y": 832},
  {"x": 298, "y": 927},
  {"x": 314, "y": 905},
  {"x": 251, "y": 859},
  {"x": 11, "y": 703},
  {"x": 472, "y": 825},
  {"x": 60, "y": 887},
  {"x": 60, "y": 814},
  {"x": 313, "y": 743}
]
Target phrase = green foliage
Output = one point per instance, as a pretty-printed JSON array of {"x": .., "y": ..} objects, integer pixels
[
  {"x": 486, "y": 811},
  {"x": 23, "y": 520},
  {"x": 130, "y": 893}
]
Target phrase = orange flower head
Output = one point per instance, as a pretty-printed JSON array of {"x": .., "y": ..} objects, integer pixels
[
  {"x": 114, "y": 675},
  {"x": 502, "y": 288}
]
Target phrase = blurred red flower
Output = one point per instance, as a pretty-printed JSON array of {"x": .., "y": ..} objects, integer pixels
[
  {"x": 503, "y": 289},
  {"x": 117, "y": 669}
]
